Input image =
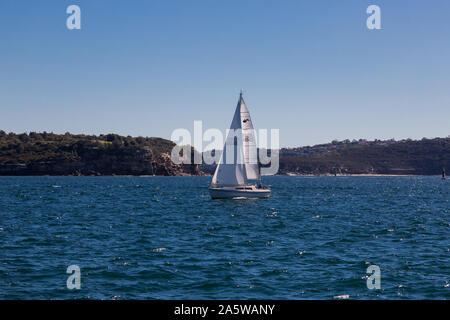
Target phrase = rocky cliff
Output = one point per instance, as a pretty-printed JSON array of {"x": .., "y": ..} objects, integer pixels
[
  {"x": 51, "y": 154},
  {"x": 56, "y": 154}
]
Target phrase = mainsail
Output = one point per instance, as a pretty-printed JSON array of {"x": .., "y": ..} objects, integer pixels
[
  {"x": 249, "y": 142},
  {"x": 239, "y": 161}
]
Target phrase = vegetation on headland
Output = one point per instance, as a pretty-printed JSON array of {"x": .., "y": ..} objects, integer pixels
[
  {"x": 68, "y": 154},
  {"x": 404, "y": 157},
  {"x": 111, "y": 154}
]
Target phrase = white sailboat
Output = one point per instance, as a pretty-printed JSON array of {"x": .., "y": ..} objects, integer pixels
[{"x": 239, "y": 161}]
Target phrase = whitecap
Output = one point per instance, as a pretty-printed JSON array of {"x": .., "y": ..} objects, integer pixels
[{"x": 343, "y": 296}]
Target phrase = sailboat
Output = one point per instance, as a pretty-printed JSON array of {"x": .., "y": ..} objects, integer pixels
[{"x": 238, "y": 164}]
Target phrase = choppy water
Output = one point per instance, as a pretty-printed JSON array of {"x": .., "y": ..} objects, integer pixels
[{"x": 162, "y": 237}]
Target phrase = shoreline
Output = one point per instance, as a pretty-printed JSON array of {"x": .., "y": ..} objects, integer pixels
[
  {"x": 361, "y": 175},
  {"x": 210, "y": 175}
]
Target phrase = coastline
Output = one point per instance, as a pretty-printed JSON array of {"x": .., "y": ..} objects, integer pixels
[
  {"x": 210, "y": 175},
  {"x": 361, "y": 175}
]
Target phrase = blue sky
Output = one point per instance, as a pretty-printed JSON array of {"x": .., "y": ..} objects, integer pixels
[{"x": 310, "y": 68}]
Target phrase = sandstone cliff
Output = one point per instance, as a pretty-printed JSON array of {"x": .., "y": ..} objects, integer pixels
[{"x": 51, "y": 154}]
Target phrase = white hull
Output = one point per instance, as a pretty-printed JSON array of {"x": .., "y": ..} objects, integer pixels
[{"x": 238, "y": 192}]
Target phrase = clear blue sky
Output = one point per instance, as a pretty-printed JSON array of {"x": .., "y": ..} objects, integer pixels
[{"x": 310, "y": 68}]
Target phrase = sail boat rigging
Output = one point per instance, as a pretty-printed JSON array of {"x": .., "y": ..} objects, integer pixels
[{"x": 239, "y": 161}]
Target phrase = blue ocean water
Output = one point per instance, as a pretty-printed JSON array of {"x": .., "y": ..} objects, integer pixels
[{"x": 163, "y": 238}]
